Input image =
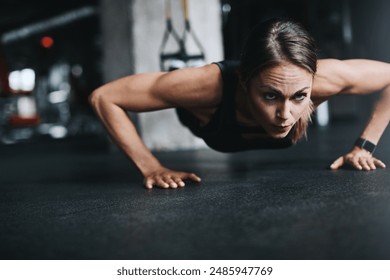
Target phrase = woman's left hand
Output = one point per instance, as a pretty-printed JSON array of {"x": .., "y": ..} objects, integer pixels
[{"x": 359, "y": 159}]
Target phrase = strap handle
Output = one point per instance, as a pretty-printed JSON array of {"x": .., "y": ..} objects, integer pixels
[{"x": 181, "y": 54}]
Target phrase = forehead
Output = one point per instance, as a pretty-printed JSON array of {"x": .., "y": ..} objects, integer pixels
[{"x": 284, "y": 77}]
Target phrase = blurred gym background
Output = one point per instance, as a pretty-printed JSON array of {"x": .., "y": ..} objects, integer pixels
[{"x": 53, "y": 54}]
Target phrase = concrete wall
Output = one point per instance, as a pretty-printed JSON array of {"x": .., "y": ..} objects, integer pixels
[
  {"x": 117, "y": 39},
  {"x": 161, "y": 130}
]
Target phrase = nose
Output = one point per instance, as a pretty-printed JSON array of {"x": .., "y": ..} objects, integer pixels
[{"x": 283, "y": 111}]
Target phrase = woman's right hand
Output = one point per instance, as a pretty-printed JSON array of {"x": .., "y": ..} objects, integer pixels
[{"x": 166, "y": 178}]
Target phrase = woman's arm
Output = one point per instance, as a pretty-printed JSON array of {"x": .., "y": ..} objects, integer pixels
[
  {"x": 359, "y": 76},
  {"x": 148, "y": 92}
]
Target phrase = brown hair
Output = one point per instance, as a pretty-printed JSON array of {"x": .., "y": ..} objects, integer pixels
[{"x": 271, "y": 43}]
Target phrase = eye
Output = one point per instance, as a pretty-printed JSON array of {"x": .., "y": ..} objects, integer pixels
[
  {"x": 300, "y": 96},
  {"x": 269, "y": 96}
]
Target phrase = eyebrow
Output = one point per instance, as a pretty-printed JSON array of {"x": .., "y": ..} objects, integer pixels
[{"x": 280, "y": 93}]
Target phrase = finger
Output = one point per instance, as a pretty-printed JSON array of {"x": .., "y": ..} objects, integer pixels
[
  {"x": 379, "y": 163},
  {"x": 162, "y": 184},
  {"x": 371, "y": 163},
  {"x": 149, "y": 183},
  {"x": 355, "y": 163},
  {"x": 337, "y": 163},
  {"x": 363, "y": 163},
  {"x": 171, "y": 183},
  {"x": 179, "y": 182},
  {"x": 192, "y": 177}
]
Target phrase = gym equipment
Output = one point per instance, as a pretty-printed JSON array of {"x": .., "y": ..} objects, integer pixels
[{"x": 181, "y": 58}]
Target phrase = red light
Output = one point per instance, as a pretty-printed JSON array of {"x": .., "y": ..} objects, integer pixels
[{"x": 47, "y": 42}]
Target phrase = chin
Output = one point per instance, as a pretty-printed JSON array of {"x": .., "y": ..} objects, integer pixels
[{"x": 279, "y": 136}]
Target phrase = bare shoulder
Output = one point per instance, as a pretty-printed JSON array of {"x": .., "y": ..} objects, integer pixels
[
  {"x": 331, "y": 79},
  {"x": 188, "y": 88},
  {"x": 352, "y": 76},
  {"x": 191, "y": 87}
]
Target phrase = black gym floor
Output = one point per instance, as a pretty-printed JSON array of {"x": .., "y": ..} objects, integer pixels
[{"x": 75, "y": 199}]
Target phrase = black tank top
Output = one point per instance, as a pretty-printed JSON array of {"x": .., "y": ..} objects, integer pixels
[{"x": 222, "y": 132}]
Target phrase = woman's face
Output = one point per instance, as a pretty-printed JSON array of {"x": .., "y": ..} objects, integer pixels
[{"x": 278, "y": 96}]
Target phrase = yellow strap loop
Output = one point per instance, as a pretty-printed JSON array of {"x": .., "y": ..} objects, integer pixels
[
  {"x": 185, "y": 8},
  {"x": 168, "y": 11}
]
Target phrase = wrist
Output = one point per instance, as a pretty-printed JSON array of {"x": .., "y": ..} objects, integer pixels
[{"x": 150, "y": 167}]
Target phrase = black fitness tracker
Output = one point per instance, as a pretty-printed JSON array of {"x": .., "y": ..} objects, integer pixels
[{"x": 365, "y": 144}]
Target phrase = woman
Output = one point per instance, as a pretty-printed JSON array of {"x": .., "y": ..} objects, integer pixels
[{"x": 265, "y": 101}]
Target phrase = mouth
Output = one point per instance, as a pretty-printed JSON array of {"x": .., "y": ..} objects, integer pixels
[{"x": 282, "y": 126}]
